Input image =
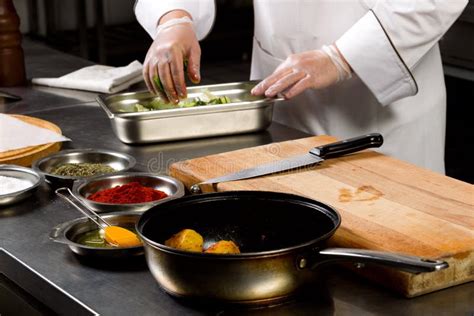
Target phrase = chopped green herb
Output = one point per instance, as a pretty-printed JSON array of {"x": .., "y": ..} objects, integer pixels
[
  {"x": 82, "y": 169},
  {"x": 206, "y": 98}
]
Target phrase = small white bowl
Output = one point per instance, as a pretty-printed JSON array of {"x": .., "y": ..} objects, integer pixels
[{"x": 34, "y": 179}]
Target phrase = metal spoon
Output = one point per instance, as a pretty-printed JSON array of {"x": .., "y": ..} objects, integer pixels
[
  {"x": 97, "y": 219},
  {"x": 107, "y": 230}
]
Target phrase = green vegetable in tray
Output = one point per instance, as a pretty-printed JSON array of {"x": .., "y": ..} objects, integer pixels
[
  {"x": 159, "y": 84},
  {"x": 140, "y": 108},
  {"x": 206, "y": 98}
]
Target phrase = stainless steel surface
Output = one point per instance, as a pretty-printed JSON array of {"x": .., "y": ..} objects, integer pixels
[
  {"x": 273, "y": 167},
  {"x": 83, "y": 188},
  {"x": 249, "y": 114},
  {"x": 22, "y": 173},
  {"x": 6, "y": 97},
  {"x": 38, "y": 286},
  {"x": 69, "y": 232},
  {"x": 117, "y": 160},
  {"x": 73, "y": 278}
]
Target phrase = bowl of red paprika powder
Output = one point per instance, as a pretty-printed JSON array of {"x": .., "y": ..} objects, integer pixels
[{"x": 133, "y": 191}]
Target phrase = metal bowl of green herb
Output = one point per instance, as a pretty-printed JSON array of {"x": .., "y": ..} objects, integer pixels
[{"x": 67, "y": 166}]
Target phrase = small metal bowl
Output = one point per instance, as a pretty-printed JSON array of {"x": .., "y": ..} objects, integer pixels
[
  {"x": 84, "y": 188},
  {"x": 118, "y": 161},
  {"x": 22, "y": 173},
  {"x": 69, "y": 233}
]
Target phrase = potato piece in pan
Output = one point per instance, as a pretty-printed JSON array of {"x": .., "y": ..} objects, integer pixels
[
  {"x": 223, "y": 247},
  {"x": 186, "y": 239}
]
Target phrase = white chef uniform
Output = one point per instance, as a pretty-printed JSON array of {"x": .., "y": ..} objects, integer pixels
[{"x": 397, "y": 88}]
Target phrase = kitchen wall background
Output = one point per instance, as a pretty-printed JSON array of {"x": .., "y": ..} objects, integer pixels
[{"x": 106, "y": 32}]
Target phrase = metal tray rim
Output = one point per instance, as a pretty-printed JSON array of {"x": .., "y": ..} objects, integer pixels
[
  {"x": 236, "y": 106},
  {"x": 193, "y": 111}
]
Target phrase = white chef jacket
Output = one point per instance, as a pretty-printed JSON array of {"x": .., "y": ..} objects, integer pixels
[{"x": 398, "y": 85}]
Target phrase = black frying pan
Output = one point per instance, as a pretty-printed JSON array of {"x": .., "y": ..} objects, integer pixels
[{"x": 281, "y": 236}]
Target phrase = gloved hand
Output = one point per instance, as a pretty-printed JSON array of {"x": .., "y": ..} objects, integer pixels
[
  {"x": 315, "y": 69},
  {"x": 175, "y": 42}
]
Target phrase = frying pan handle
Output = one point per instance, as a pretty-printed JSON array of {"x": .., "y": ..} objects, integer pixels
[
  {"x": 348, "y": 146},
  {"x": 406, "y": 263}
]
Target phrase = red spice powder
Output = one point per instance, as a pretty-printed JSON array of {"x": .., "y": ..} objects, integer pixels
[{"x": 129, "y": 193}]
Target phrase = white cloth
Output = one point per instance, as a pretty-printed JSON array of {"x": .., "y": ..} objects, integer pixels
[
  {"x": 97, "y": 78},
  {"x": 398, "y": 85},
  {"x": 16, "y": 134}
]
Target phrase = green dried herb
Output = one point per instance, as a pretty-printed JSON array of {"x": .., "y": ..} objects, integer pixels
[{"x": 82, "y": 169}]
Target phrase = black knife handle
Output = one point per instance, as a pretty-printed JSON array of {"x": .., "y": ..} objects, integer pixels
[{"x": 348, "y": 146}]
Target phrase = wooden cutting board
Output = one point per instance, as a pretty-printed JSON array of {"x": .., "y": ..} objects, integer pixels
[
  {"x": 386, "y": 204},
  {"x": 26, "y": 156}
]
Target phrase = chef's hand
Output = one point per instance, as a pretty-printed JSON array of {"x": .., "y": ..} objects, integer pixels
[
  {"x": 175, "y": 42},
  {"x": 316, "y": 69}
]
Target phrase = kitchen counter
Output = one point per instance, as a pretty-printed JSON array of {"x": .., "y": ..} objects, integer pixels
[{"x": 69, "y": 284}]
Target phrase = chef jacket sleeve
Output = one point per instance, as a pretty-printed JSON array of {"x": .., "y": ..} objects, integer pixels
[
  {"x": 149, "y": 12},
  {"x": 388, "y": 41}
]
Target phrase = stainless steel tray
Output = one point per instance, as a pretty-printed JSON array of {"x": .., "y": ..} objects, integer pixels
[{"x": 249, "y": 114}]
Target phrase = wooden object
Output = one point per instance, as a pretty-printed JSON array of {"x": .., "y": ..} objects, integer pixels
[
  {"x": 386, "y": 204},
  {"x": 12, "y": 62},
  {"x": 26, "y": 156}
]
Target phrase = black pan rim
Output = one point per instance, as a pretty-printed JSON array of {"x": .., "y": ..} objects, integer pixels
[{"x": 329, "y": 211}]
